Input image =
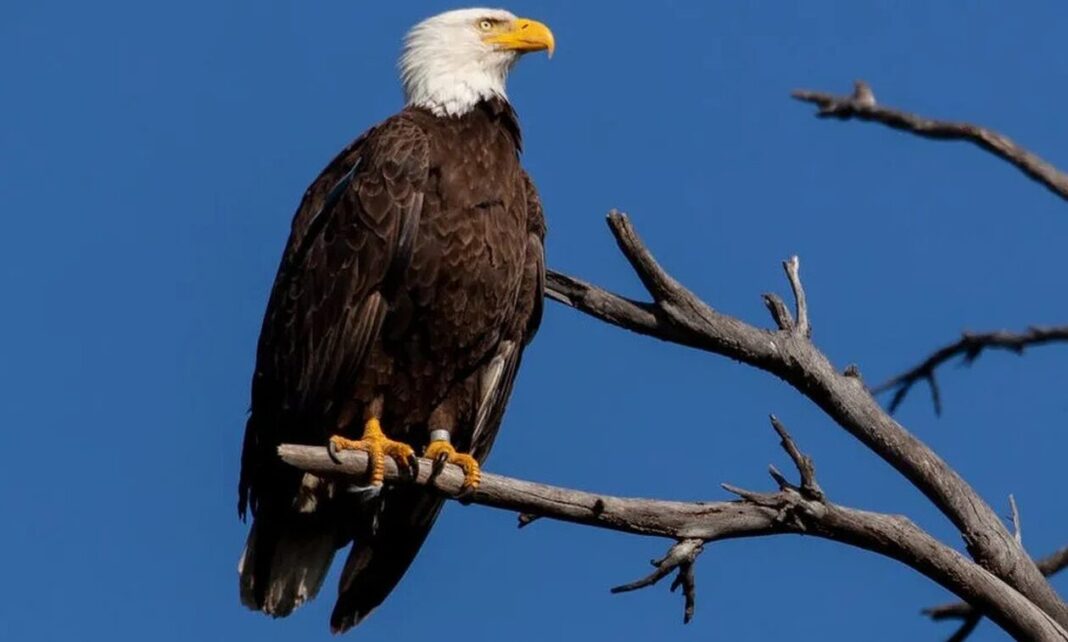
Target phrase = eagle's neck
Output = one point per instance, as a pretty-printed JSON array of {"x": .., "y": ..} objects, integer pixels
[
  {"x": 454, "y": 96},
  {"x": 452, "y": 86}
]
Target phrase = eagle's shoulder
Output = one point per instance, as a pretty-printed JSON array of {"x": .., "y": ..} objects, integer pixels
[
  {"x": 395, "y": 150},
  {"x": 400, "y": 143}
]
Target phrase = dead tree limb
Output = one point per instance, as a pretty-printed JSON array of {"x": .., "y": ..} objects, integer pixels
[
  {"x": 968, "y": 347},
  {"x": 1049, "y": 565},
  {"x": 677, "y": 315},
  {"x": 861, "y": 105},
  {"x": 692, "y": 524}
]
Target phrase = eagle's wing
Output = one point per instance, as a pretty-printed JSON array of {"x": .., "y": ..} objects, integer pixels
[
  {"x": 376, "y": 564},
  {"x": 351, "y": 238},
  {"x": 499, "y": 376}
]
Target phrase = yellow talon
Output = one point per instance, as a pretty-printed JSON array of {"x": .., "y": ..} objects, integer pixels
[
  {"x": 443, "y": 451},
  {"x": 378, "y": 446}
]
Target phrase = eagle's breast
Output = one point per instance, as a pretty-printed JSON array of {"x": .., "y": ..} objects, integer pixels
[{"x": 467, "y": 263}]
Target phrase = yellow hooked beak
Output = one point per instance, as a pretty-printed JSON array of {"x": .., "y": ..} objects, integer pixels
[{"x": 523, "y": 35}]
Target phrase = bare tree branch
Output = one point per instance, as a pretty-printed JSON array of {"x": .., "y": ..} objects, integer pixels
[
  {"x": 678, "y": 316},
  {"x": 1049, "y": 565},
  {"x": 969, "y": 347},
  {"x": 694, "y": 523},
  {"x": 966, "y": 628},
  {"x": 1055, "y": 562},
  {"x": 861, "y": 105},
  {"x": 969, "y": 618}
]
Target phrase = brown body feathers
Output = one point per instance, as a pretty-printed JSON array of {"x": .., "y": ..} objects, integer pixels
[{"x": 412, "y": 279}]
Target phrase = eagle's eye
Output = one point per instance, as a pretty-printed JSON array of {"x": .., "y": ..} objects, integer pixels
[{"x": 485, "y": 25}]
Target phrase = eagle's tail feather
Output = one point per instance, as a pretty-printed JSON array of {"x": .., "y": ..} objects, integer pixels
[
  {"x": 377, "y": 562},
  {"x": 284, "y": 564}
]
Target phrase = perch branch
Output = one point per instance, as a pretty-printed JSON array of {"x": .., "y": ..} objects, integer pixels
[
  {"x": 861, "y": 105},
  {"x": 678, "y": 316},
  {"x": 969, "y": 347},
  {"x": 784, "y": 512}
]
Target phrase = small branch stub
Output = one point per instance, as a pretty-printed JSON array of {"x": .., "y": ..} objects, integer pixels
[
  {"x": 1017, "y": 532},
  {"x": 526, "y": 519},
  {"x": 809, "y": 487},
  {"x": 862, "y": 94},
  {"x": 793, "y": 268},
  {"x": 779, "y": 312}
]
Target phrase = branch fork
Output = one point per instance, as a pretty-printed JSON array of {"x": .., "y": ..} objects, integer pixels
[
  {"x": 676, "y": 315},
  {"x": 680, "y": 557},
  {"x": 779, "y": 312}
]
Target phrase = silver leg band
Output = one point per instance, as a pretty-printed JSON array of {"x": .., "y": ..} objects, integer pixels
[{"x": 439, "y": 435}]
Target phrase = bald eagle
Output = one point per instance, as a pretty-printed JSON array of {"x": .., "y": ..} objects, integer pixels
[{"x": 410, "y": 285}]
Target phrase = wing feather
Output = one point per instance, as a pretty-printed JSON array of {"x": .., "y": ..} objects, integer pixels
[
  {"x": 499, "y": 377},
  {"x": 352, "y": 232}
]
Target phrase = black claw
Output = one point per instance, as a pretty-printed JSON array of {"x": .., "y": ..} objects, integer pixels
[
  {"x": 413, "y": 466},
  {"x": 466, "y": 494},
  {"x": 439, "y": 463},
  {"x": 436, "y": 466},
  {"x": 332, "y": 451}
]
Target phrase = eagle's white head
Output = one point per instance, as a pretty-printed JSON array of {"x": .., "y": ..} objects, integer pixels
[{"x": 456, "y": 59}]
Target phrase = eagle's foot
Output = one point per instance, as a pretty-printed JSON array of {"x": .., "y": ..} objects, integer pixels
[
  {"x": 442, "y": 452},
  {"x": 378, "y": 446}
]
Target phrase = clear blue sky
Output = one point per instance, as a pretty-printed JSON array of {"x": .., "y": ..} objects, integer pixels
[{"x": 152, "y": 156}]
